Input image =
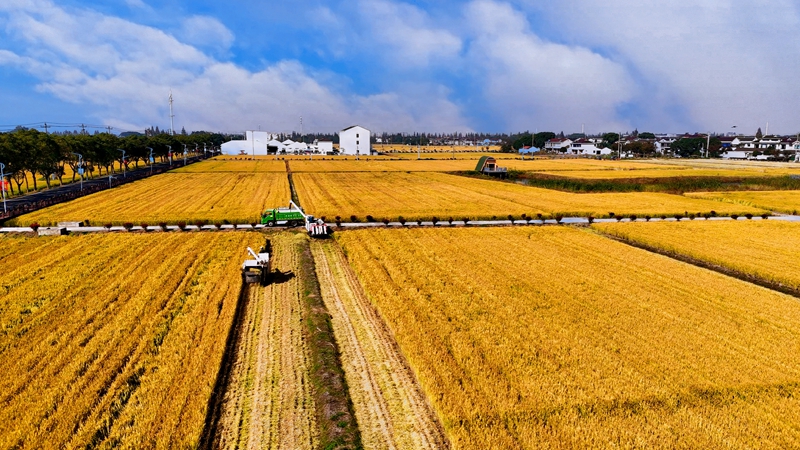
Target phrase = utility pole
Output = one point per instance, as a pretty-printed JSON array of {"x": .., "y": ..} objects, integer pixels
[
  {"x": 3, "y": 185},
  {"x": 151, "y": 159},
  {"x": 124, "y": 166},
  {"x": 171, "y": 116},
  {"x": 46, "y": 126},
  {"x": 109, "y": 129},
  {"x": 80, "y": 167},
  {"x": 708, "y": 145},
  {"x": 83, "y": 129}
]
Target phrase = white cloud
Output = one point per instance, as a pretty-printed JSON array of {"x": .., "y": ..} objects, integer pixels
[
  {"x": 536, "y": 84},
  {"x": 723, "y": 62},
  {"x": 138, "y": 4},
  {"x": 206, "y": 32},
  {"x": 406, "y": 34},
  {"x": 126, "y": 71}
]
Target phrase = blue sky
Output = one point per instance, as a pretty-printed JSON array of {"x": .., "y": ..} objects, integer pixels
[{"x": 433, "y": 66}]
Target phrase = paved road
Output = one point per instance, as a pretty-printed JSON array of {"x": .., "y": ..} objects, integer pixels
[{"x": 37, "y": 200}]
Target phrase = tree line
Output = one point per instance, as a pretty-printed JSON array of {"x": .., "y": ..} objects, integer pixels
[{"x": 31, "y": 152}]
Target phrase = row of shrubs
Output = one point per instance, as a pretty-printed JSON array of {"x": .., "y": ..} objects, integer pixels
[
  {"x": 557, "y": 217},
  {"x": 163, "y": 225}
]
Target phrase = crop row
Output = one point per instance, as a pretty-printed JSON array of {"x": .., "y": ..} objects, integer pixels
[
  {"x": 113, "y": 340},
  {"x": 560, "y": 338}
]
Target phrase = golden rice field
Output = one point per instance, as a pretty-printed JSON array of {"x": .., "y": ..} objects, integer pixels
[
  {"x": 764, "y": 248},
  {"x": 581, "y": 164},
  {"x": 780, "y": 201},
  {"x": 662, "y": 173},
  {"x": 113, "y": 340},
  {"x": 221, "y": 164},
  {"x": 382, "y": 165},
  {"x": 789, "y": 167},
  {"x": 556, "y": 337},
  {"x": 447, "y": 154},
  {"x": 174, "y": 197},
  {"x": 667, "y": 173},
  {"x": 424, "y": 195}
]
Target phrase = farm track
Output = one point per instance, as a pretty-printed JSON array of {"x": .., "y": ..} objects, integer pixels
[
  {"x": 268, "y": 402},
  {"x": 391, "y": 409}
]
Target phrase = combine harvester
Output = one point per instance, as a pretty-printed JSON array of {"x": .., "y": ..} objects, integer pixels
[
  {"x": 293, "y": 216},
  {"x": 257, "y": 270}
]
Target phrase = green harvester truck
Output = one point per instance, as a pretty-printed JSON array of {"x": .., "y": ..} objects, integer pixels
[{"x": 291, "y": 216}]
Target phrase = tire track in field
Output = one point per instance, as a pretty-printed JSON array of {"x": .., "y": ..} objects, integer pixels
[
  {"x": 269, "y": 403},
  {"x": 391, "y": 409}
]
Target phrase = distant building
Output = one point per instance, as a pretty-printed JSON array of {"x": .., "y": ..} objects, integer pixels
[
  {"x": 254, "y": 143},
  {"x": 558, "y": 144},
  {"x": 584, "y": 146},
  {"x": 355, "y": 140}
]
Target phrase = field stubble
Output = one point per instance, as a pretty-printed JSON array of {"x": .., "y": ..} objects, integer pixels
[
  {"x": 269, "y": 402},
  {"x": 391, "y": 409}
]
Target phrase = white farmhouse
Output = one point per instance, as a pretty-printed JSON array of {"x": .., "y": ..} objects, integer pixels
[
  {"x": 584, "y": 146},
  {"x": 255, "y": 143},
  {"x": 355, "y": 140}
]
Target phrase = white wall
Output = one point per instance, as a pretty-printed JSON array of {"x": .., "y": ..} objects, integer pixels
[
  {"x": 255, "y": 143},
  {"x": 355, "y": 139},
  {"x": 325, "y": 147}
]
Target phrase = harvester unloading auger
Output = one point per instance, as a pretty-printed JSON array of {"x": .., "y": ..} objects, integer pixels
[{"x": 293, "y": 216}]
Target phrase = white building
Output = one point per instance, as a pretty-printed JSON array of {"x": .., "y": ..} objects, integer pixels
[
  {"x": 355, "y": 140},
  {"x": 584, "y": 146},
  {"x": 324, "y": 147},
  {"x": 255, "y": 143},
  {"x": 559, "y": 144}
]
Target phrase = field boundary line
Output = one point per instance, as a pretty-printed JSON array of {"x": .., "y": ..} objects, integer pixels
[
  {"x": 378, "y": 339},
  {"x": 727, "y": 271},
  {"x": 217, "y": 399},
  {"x": 336, "y": 418}
]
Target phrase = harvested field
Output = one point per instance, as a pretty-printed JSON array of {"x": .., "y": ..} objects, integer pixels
[
  {"x": 789, "y": 167},
  {"x": 582, "y": 164},
  {"x": 223, "y": 164},
  {"x": 269, "y": 402},
  {"x": 781, "y": 201},
  {"x": 113, "y": 340},
  {"x": 766, "y": 249},
  {"x": 391, "y": 408},
  {"x": 382, "y": 165},
  {"x": 424, "y": 195},
  {"x": 283, "y": 387},
  {"x": 174, "y": 197},
  {"x": 663, "y": 173},
  {"x": 585, "y": 343}
]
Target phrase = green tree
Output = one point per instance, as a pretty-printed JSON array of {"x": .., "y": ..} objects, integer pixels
[
  {"x": 539, "y": 139},
  {"x": 609, "y": 139},
  {"x": 688, "y": 147},
  {"x": 647, "y": 135}
]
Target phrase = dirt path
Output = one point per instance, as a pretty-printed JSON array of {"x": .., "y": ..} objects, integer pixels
[
  {"x": 390, "y": 407},
  {"x": 269, "y": 402}
]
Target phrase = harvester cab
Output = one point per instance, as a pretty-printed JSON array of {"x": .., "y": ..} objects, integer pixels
[{"x": 257, "y": 270}]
